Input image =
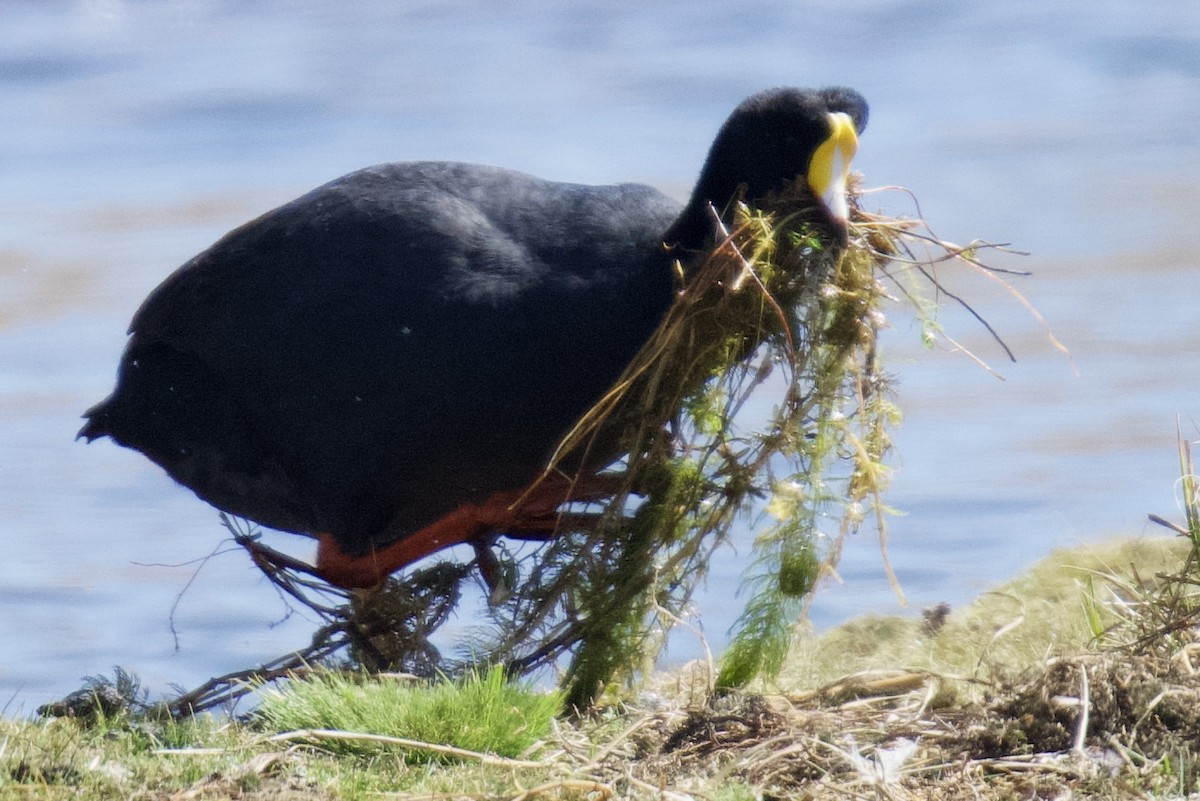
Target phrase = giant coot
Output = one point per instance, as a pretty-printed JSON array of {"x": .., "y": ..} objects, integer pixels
[{"x": 387, "y": 362}]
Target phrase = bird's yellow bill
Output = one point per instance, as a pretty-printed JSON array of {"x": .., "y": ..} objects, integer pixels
[{"x": 830, "y": 166}]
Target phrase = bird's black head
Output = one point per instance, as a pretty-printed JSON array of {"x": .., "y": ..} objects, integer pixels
[{"x": 771, "y": 139}]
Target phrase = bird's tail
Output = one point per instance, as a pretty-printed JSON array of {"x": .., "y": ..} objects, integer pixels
[{"x": 97, "y": 424}]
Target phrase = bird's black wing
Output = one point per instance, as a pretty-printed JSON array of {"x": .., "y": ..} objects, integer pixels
[{"x": 402, "y": 340}]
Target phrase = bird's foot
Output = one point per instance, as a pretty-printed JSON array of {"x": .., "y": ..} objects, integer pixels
[
  {"x": 271, "y": 561},
  {"x": 291, "y": 575}
]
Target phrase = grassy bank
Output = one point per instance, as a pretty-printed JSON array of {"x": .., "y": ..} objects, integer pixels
[{"x": 1038, "y": 688}]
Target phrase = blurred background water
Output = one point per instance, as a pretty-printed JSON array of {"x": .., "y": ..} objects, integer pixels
[{"x": 133, "y": 134}]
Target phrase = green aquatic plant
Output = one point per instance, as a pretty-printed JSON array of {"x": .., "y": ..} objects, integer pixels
[{"x": 780, "y": 312}]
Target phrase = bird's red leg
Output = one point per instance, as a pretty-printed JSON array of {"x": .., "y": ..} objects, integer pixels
[
  {"x": 532, "y": 513},
  {"x": 370, "y": 569}
]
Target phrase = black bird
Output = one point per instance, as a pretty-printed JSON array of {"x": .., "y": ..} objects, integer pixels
[{"x": 387, "y": 362}]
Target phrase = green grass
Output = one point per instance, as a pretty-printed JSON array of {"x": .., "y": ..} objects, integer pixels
[
  {"x": 481, "y": 713},
  {"x": 122, "y": 757},
  {"x": 1058, "y": 606},
  {"x": 110, "y": 758}
]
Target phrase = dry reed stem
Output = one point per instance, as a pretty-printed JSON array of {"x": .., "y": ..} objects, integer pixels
[{"x": 318, "y": 735}]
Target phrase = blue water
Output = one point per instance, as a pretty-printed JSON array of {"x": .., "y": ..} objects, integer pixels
[{"x": 134, "y": 134}]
